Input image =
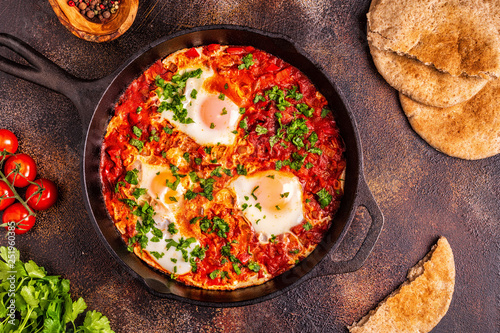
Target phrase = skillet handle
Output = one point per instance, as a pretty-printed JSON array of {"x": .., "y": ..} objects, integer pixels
[
  {"x": 85, "y": 94},
  {"x": 330, "y": 267}
]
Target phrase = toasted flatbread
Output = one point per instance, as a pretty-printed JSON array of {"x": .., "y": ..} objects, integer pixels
[
  {"x": 418, "y": 304},
  {"x": 456, "y": 37},
  {"x": 469, "y": 130},
  {"x": 423, "y": 83}
]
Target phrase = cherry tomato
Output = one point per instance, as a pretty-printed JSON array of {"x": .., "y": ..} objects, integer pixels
[
  {"x": 17, "y": 218},
  {"x": 8, "y": 141},
  {"x": 6, "y": 195},
  {"x": 41, "y": 196},
  {"x": 26, "y": 167}
]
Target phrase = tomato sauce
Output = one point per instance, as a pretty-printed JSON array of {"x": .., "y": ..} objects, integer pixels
[{"x": 317, "y": 171}]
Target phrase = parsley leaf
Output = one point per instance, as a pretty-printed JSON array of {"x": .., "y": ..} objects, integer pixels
[
  {"x": 131, "y": 177},
  {"x": 241, "y": 170},
  {"x": 324, "y": 198},
  {"x": 247, "y": 62},
  {"x": 261, "y": 130}
]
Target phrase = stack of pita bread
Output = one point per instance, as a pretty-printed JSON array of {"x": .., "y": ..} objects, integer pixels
[{"x": 443, "y": 56}]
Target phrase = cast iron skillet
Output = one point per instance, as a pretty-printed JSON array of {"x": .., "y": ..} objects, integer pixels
[{"x": 94, "y": 101}]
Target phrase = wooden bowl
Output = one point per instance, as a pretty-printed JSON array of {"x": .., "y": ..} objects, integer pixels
[{"x": 114, "y": 27}]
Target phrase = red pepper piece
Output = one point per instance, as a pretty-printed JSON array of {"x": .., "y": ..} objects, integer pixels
[
  {"x": 192, "y": 53},
  {"x": 235, "y": 50},
  {"x": 201, "y": 151},
  {"x": 71, "y": 3},
  {"x": 271, "y": 68}
]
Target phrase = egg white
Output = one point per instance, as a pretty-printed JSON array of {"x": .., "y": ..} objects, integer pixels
[
  {"x": 271, "y": 201},
  {"x": 201, "y": 132}
]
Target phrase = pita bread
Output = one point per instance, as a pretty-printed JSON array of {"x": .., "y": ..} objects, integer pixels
[
  {"x": 422, "y": 83},
  {"x": 418, "y": 304},
  {"x": 456, "y": 37},
  {"x": 470, "y": 130}
]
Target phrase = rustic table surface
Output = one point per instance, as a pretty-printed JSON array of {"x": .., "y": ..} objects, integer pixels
[{"x": 422, "y": 193}]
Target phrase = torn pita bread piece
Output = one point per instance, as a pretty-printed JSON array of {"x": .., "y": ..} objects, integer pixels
[
  {"x": 456, "y": 37},
  {"x": 422, "y": 83},
  {"x": 418, "y": 304},
  {"x": 470, "y": 130}
]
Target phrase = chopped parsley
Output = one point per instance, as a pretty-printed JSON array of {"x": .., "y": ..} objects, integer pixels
[
  {"x": 138, "y": 192},
  {"x": 216, "y": 224},
  {"x": 172, "y": 229},
  {"x": 244, "y": 123},
  {"x": 305, "y": 110},
  {"x": 137, "y": 144},
  {"x": 307, "y": 226},
  {"x": 247, "y": 62},
  {"x": 241, "y": 170},
  {"x": 194, "y": 92},
  {"x": 258, "y": 98},
  {"x": 154, "y": 136},
  {"x": 186, "y": 156},
  {"x": 294, "y": 93},
  {"x": 324, "y": 198},
  {"x": 131, "y": 177},
  {"x": 173, "y": 92},
  {"x": 157, "y": 255},
  {"x": 253, "y": 266},
  {"x": 324, "y": 112},
  {"x": 137, "y": 131},
  {"x": 261, "y": 130},
  {"x": 222, "y": 96}
]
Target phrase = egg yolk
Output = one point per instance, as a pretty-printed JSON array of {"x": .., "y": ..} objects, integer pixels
[
  {"x": 272, "y": 194},
  {"x": 215, "y": 113},
  {"x": 160, "y": 189}
]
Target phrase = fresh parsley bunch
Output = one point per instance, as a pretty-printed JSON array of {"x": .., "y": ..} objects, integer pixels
[{"x": 42, "y": 302}]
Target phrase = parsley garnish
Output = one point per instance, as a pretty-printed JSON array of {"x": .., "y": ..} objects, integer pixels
[
  {"x": 137, "y": 143},
  {"x": 241, "y": 170},
  {"x": 131, "y": 177},
  {"x": 172, "y": 229},
  {"x": 247, "y": 61},
  {"x": 305, "y": 110},
  {"x": 294, "y": 93},
  {"x": 307, "y": 226},
  {"x": 324, "y": 198},
  {"x": 138, "y": 192},
  {"x": 194, "y": 92},
  {"x": 261, "y": 130},
  {"x": 137, "y": 131},
  {"x": 324, "y": 112},
  {"x": 258, "y": 97},
  {"x": 253, "y": 266}
]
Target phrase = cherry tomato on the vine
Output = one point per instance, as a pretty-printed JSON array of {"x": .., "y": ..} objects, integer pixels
[
  {"x": 8, "y": 141},
  {"x": 6, "y": 195},
  {"x": 41, "y": 196},
  {"x": 17, "y": 218},
  {"x": 20, "y": 169}
]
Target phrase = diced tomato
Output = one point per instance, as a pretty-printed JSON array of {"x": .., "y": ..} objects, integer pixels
[
  {"x": 192, "y": 53},
  {"x": 271, "y": 68},
  {"x": 235, "y": 50}
]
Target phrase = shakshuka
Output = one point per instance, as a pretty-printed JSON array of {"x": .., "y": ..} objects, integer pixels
[{"x": 222, "y": 166}]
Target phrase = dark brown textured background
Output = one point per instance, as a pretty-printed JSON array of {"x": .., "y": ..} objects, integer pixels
[{"x": 422, "y": 193}]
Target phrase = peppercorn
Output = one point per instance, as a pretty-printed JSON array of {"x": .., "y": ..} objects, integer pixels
[{"x": 96, "y": 10}]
